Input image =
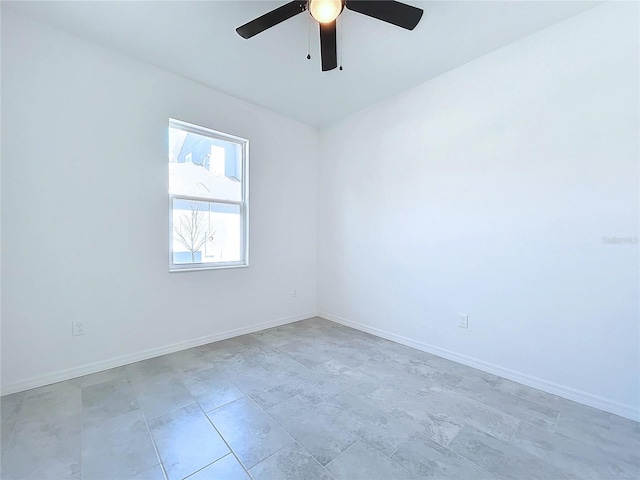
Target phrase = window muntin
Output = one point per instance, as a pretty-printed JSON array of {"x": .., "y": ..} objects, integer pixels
[{"x": 208, "y": 198}]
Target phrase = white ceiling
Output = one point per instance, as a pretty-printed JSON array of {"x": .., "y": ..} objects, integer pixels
[{"x": 197, "y": 39}]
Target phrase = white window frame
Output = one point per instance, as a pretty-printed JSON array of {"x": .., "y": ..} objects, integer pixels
[{"x": 243, "y": 203}]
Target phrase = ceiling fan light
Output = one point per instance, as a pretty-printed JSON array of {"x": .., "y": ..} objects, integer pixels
[{"x": 325, "y": 11}]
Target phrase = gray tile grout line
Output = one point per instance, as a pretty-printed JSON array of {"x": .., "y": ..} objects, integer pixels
[
  {"x": 227, "y": 443},
  {"x": 468, "y": 459},
  {"x": 146, "y": 424},
  {"x": 391, "y": 459},
  {"x": 515, "y": 430},
  {"x": 231, "y": 450},
  {"x": 263, "y": 411},
  {"x": 343, "y": 452},
  {"x": 295, "y": 441},
  {"x": 415, "y": 432},
  {"x": 284, "y": 429},
  {"x": 209, "y": 464},
  {"x": 389, "y": 456}
]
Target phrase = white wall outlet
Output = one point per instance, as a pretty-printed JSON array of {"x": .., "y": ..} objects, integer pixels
[
  {"x": 77, "y": 328},
  {"x": 294, "y": 293},
  {"x": 463, "y": 320}
]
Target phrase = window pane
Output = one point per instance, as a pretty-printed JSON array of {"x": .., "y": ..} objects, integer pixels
[
  {"x": 204, "y": 166},
  {"x": 206, "y": 232},
  {"x": 224, "y": 243}
]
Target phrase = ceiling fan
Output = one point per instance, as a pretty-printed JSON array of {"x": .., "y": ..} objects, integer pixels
[{"x": 326, "y": 12}]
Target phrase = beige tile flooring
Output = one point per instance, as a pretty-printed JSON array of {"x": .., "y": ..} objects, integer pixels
[{"x": 308, "y": 400}]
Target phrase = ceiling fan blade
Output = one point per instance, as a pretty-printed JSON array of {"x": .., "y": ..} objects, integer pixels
[
  {"x": 400, "y": 14},
  {"x": 328, "y": 50},
  {"x": 272, "y": 18}
]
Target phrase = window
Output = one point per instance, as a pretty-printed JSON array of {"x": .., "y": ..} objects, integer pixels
[{"x": 208, "y": 191}]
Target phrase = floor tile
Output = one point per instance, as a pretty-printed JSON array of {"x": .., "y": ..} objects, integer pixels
[
  {"x": 274, "y": 337},
  {"x": 186, "y": 441},
  {"x": 152, "y": 367},
  {"x": 346, "y": 377},
  {"x": 190, "y": 360},
  {"x": 270, "y": 360},
  {"x": 227, "y": 468},
  {"x": 429, "y": 374},
  {"x": 118, "y": 373},
  {"x": 290, "y": 463},
  {"x": 477, "y": 388},
  {"x": 393, "y": 374},
  {"x": 161, "y": 394},
  {"x": 344, "y": 353},
  {"x": 118, "y": 447},
  {"x": 250, "y": 343},
  {"x": 298, "y": 380},
  {"x": 623, "y": 438},
  {"x": 417, "y": 412},
  {"x": 46, "y": 404},
  {"x": 9, "y": 409},
  {"x": 384, "y": 432},
  {"x": 477, "y": 414},
  {"x": 211, "y": 388},
  {"x": 250, "y": 432},
  {"x": 306, "y": 352},
  {"x": 6, "y": 434},
  {"x": 154, "y": 473},
  {"x": 579, "y": 459},
  {"x": 314, "y": 427},
  {"x": 564, "y": 406},
  {"x": 44, "y": 449},
  {"x": 598, "y": 431},
  {"x": 106, "y": 400},
  {"x": 505, "y": 461},
  {"x": 274, "y": 378},
  {"x": 427, "y": 459},
  {"x": 258, "y": 385},
  {"x": 218, "y": 354},
  {"x": 624, "y": 425},
  {"x": 364, "y": 462}
]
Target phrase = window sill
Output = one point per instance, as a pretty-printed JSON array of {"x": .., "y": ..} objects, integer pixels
[{"x": 212, "y": 267}]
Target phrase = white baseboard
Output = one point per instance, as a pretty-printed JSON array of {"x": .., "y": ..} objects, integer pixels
[
  {"x": 62, "y": 375},
  {"x": 608, "y": 405}
]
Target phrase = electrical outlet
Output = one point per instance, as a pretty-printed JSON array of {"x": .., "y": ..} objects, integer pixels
[
  {"x": 77, "y": 328},
  {"x": 294, "y": 293},
  {"x": 463, "y": 320}
]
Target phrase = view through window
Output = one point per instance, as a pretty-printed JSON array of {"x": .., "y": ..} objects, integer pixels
[{"x": 208, "y": 198}]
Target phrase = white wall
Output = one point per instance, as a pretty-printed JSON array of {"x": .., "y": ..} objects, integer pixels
[
  {"x": 488, "y": 191},
  {"x": 84, "y": 168},
  {"x": 485, "y": 191}
]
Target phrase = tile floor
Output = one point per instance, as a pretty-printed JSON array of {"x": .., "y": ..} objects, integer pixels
[{"x": 309, "y": 400}]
